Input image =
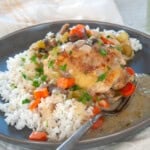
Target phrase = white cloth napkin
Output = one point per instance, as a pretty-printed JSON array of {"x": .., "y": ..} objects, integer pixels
[{"x": 17, "y": 14}]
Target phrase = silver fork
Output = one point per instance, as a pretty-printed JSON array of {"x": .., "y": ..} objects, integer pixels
[{"x": 74, "y": 138}]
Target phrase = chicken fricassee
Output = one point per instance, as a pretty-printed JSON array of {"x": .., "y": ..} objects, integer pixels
[
  {"x": 80, "y": 60},
  {"x": 73, "y": 74}
]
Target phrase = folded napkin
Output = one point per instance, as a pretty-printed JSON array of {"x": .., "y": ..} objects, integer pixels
[{"x": 16, "y": 14}]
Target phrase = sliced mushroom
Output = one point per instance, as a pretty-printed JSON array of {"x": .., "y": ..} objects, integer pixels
[
  {"x": 52, "y": 87},
  {"x": 91, "y": 41},
  {"x": 64, "y": 28},
  {"x": 50, "y": 43},
  {"x": 73, "y": 38}
]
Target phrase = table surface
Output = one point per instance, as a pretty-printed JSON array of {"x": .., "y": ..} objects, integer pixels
[{"x": 135, "y": 15}]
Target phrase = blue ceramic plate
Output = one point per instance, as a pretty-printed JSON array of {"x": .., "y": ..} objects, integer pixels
[{"x": 20, "y": 40}]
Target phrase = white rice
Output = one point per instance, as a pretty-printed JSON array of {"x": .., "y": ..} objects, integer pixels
[
  {"x": 68, "y": 114},
  {"x": 60, "y": 124},
  {"x": 135, "y": 44}
]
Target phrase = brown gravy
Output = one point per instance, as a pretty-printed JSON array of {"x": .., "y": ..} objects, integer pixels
[{"x": 138, "y": 109}]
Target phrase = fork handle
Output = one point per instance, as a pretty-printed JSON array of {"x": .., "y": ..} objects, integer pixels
[{"x": 72, "y": 140}]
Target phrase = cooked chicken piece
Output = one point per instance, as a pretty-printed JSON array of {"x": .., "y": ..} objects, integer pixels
[
  {"x": 86, "y": 63},
  {"x": 112, "y": 77},
  {"x": 79, "y": 43},
  {"x": 116, "y": 79},
  {"x": 121, "y": 81}
]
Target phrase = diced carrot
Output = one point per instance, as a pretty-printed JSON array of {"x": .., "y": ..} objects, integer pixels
[
  {"x": 96, "y": 110},
  {"x": 98, "y": 123},
  {"x": 78, "y": 30},
  {"x": 38, "y": 94},
  {"x": 106, "y": 41},
  {"x": 128, "y": 89},
  {"x": 130, "y": 71},
  {"x": 38, "y": 136},
  {"x": 104, "y": 104},
  {"x": 34, "y": 104},
  {"x": 41, "y": 93},
  {"x": 65, "y": 83}
]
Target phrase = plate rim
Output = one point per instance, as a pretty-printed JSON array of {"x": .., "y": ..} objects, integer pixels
[{"x": 75, "y": 21}]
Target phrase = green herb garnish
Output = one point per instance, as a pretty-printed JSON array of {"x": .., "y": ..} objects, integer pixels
[
  {"x": 45, "y": 56},
  {"x": 75, "y": 87},
  {"x": 101, "y": 77},
  {"x": 36, "y": 83},
  {"x": 70, "y": 53},
  {"x": 103, "y": 52},
  {"x": 25, "y": 101},
  {"x": 108, "y": 36},
  {"x": 85, "y": 97},
  {"x": 39, "y": 78},
  {"x": 51, "y": 64},
  {"x": 24, "y": 75},
  {"x": 63, "y": 67},
  {"x": 34, "y": 59},
  {"x": 39, "y": 70},
  {"x": 43, "y": 78}
]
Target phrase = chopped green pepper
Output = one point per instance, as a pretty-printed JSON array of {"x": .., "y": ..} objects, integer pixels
[
  {"x": 55, "y": 51},
  {"x": 108, "y": 36},
  {"x": 119, "y": 48}
]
